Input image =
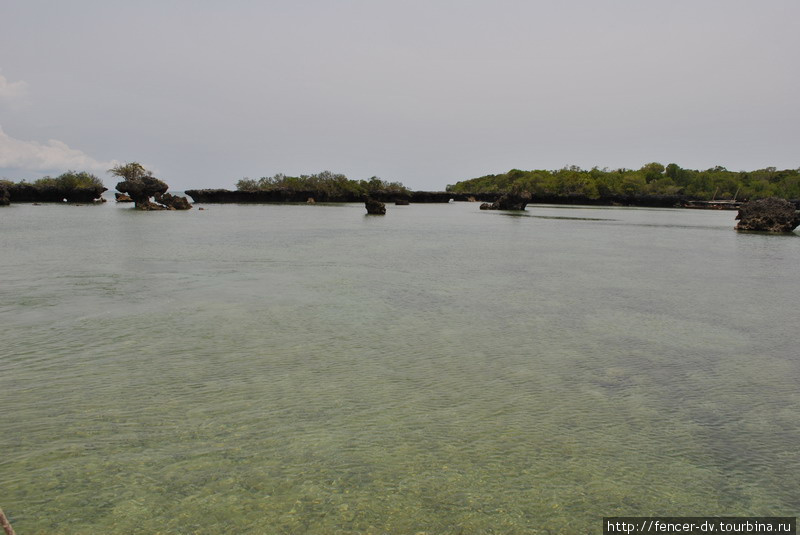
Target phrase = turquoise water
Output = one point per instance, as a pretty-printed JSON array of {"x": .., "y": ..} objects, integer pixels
[{"x": 442, "y": 370}]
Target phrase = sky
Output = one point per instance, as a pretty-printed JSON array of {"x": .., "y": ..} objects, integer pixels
[{"x": 424, "y": 92}]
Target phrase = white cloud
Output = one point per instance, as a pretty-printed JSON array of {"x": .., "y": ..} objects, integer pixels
[
  {"x": 12, "y": 91},
  {"x": 51, "y": 156}
]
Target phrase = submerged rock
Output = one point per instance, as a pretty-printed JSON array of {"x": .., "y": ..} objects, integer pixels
[
  {"x": 768, "y": 215},
  {"x": 509, "y": 201},
  {"x": 375, "y": 207}
]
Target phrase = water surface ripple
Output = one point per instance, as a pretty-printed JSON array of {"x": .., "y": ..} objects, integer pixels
[{"x": 308, "y": 369}]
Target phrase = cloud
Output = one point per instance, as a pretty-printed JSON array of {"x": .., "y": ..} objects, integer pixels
[
  {"x": 51, "y": 156},
  {"x": 12, "y": 91}
]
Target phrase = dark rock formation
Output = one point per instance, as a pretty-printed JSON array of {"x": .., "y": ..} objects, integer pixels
[
  {"x": 173, "y": 202},
  {"x": 5, "y": 197},
  {"x": 430, "y": 197},
  {"x": 141, "y": 189},
  {"x": 30, "y": 193},
  {"x": 375, "y": 207},
  {"x": 121, "y": 197},
  {"x": 401, "y": 202},
  {"x": 302, "y": 196},
  {"x": 768, "y": 215},
  {"x": 417, "y": 197},
  {"x": 509, "y": 201},
  {"x": 264, "y": 197}
]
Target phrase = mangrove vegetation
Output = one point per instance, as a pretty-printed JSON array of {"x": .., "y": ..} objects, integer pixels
[
  {"x": 652, "y": 179},
  {"x": 328, "y": 183}
]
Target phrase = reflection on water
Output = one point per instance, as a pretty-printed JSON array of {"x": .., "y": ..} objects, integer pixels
[{"x": 303, "y": 369}]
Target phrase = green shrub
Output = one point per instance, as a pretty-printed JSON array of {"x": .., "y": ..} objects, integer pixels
[{"x": 70, "y": 180}]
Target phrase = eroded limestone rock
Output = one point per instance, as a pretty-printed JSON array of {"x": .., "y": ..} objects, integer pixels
[{"x": 768, "y": 215}]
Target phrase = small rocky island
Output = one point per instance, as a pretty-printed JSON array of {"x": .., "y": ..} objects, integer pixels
[
  {"x": 72, "y": 186},
  {"x": 509, "y": 201},
  {"x": 768, "y": 215},
  {"x": 375, "y": 207},
  {"x": 140, "y": 186}
]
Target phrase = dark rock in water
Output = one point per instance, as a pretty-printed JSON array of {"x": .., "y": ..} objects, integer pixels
[
  {"x": 29, "y": 193},
  {"x": 401, "y": 202},
  {"x": 375, "y": 207},
  {"x": 173, "y": 202},
  {"x": 768, "y": 215},
  {"x": 5, "y": 197},
  {"x": 141, "y": 189},
  {"x": 509, "y": 201},
  {"x": 121, "y": 197},
  {"x": 311, "y": 200}
]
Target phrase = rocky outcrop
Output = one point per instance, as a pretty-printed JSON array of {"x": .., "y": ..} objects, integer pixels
[
  {"x": 401, "y": 202},
  {"x": 768, "y": 215},
  {"x": 430, "y": 197},
  {"x": 29, "y": 193},
  {"x": 417, "y": 197},
  {"x": 121, "y": 197},
  {"x": 142, "y": 189},
  {"x": 375, "y": 207},
  {"x": 509, "y": 201},
  {"x": 302, "y": 196},
  {"x": 173, "y": 202},
  {"x": 5, "y": 197}
]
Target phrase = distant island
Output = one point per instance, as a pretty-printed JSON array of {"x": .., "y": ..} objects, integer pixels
[
  {"x": 71, "y": 186},
  {"x": 651, "y": 180},
  {"x": 320, "y": 187},
  {"x": 653, "y": 185}
]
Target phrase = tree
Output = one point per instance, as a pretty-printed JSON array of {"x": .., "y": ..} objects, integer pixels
[
  {"x": 132, "y": 171},
  {"x": 652, "y": 171}
]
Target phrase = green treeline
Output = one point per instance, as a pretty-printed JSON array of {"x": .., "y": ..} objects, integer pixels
[
  {"x": 66, "y": 181},
  {"x": 333, "y": 184},
  {"x": 651, "y": 179}
]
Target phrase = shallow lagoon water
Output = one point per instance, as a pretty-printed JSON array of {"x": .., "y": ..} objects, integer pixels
[{"x": 308, "y": 369}]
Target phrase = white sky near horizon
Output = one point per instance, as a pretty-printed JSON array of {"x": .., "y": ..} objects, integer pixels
[{"x": 422, "y": 92}]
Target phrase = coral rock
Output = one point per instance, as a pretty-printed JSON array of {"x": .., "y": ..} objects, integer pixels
[
  {"x": 375, "y": 207},
  {"x": 509, "y": 201},
  {"x": 768, "y": 215}
]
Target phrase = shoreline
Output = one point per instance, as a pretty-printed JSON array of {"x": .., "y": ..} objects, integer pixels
[{"x": 225, "y": 196}]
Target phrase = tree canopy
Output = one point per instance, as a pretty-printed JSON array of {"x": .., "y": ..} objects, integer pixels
[
  {"x": 130, "y": 171},
  {"x": 651, "y": 179},
  {"x": 326, "y": 181},
  {"x": 69, "y": 180}
]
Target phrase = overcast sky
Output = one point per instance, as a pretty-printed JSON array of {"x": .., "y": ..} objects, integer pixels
[{"x": 422, "y": 92}]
